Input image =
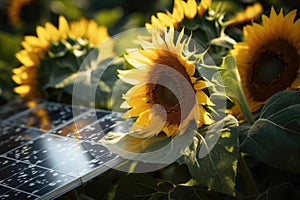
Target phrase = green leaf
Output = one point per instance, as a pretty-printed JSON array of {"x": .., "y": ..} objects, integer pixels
[
  {"x": 186, "y": 192},
  {"x": 212, "y": 160},
  {"x": 275, "y": 137},
  {"x": 279, "y": 192},
  {"x": 109, "y": 17},
  {"x": 231, "y": 80},
  {"x": 138, "y": 186},
  {"x": 10, "y": 45}
]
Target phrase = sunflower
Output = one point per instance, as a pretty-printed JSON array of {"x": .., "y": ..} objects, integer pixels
[
  {"x": 268, "y": 60},
  {"x": 15, "y": 8},
  {"x": 24, "y": 14},
  {"x": 181, "y": 9},
  {"x": 68, "y": 42},
  {"x": 166, "y": 95},
  {"x": 250, "y": 13}
]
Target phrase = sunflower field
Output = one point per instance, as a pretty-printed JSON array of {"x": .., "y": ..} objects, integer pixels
[{"x": 210, "y": 89}]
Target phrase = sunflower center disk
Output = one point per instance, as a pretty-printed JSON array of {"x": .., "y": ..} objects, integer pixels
[
  {"x": 170, "y": 86},
  {"x": 271, "y": 68},
  {"x": 274, "y": 69},
  {"x": 165, "y": 97}
]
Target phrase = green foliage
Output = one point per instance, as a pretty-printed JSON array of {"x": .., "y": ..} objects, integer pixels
[
  {"x": 230, "y": 78},
  {"x": 209, "y": 168},
  {"x": 67, "y": 8},
  {"x": 154, "y": 186},
  {"x": 274, "y": 138},
  {"x": 109, "y": 17},
  {"x": 11, "y": 41},
  {"x": 213, "y": 163}
]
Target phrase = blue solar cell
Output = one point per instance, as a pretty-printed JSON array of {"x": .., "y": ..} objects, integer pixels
[
  {"x": 48, "y": 116},
  {"x": 41, "y": 184},
  {"x": 16, "y": 194},
  {"x": 21, "y": 177},
  {"x": 77, "y": 124},
  {"x": 3, "y": 190},
  {"x": 11, "y": 170},
  {"x": 12, "y": 136},
  {"x": 5, "y": 162},
  {"x": 16, "y": 107}
]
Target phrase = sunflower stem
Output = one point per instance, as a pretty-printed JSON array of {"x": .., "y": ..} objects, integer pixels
[
  {"x": 242, "y": 100},
  {"x": 248, "y": 176},
  {"x": 244, "y": 107}
]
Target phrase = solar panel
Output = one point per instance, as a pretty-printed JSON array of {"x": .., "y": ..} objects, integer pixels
[{"x": 45, "y": 151}]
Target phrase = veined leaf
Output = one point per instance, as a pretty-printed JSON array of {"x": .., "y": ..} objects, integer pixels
[
  {"x": 217, "y": 170},
  {"x": 275, "y": 137},
  {"x": 233, "y": 85}
]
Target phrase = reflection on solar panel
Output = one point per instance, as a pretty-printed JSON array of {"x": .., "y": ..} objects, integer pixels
[{"x": 45, "y": 151}]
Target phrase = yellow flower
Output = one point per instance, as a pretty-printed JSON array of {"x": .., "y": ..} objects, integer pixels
[
  {"x": 15, "y": 8},
  {"x": 269, "y": 59},
  {"x": 181, "y": 9},
  {"x": 166, "y": 95},
  {"x": 36, "y": 48},
  {"x": 250, "y": 13}
]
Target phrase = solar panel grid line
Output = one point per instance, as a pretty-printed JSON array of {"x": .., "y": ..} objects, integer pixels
[
  {"x": 27, "y": 129},
  {"x": 13, "y": 183},
  {"x": 77, "y": 125},
  {"x": 39, "y": 118},
  {"x": 76, "y": 181},
  {"x": 5, "y": 195},
  {"x": 25, "y": 159},
  {"x": 39, "y": 104},
  {"x": 69, "y": 121},
  {"x": 17, "y": 106},
  {"x": 98, "y": 129}
]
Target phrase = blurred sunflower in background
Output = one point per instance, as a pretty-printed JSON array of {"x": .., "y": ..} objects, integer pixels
[
  {"x": 204, "y": 20},
  {"x": 24, "y": 15},
  {"x": 55, "y": 52},
  {"x": 250, "y": 13},
  {"x": 164, "y": 75},
  {"x": 15, "y": 9},
  {"x": 268, "y": 60},
  {"x": 181, "y": 9}
]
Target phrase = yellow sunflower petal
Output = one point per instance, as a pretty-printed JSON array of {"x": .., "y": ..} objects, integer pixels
[
  {"x": 190, "y": 8},
  {"x": 22, "y": 90},
  {"x": 63, "y": 27},
  {"x": 203, "y": 7},
  {"x": 178, "y": 10},
  {"x": 52, "y": 31},
  {"x": 28, "y": 59}
]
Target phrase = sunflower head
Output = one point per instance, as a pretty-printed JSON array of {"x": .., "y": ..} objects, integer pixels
[
  {"x": 199, "y": 20},
  {"x": 269, "y": 59},
  {"x": 54, "y": 54},
  {"x": 25, "y": 14},
  {"x": 182, "y": 10},
  {"x": 166, "y": 94},
  {"x": 250, "y": 13}
]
